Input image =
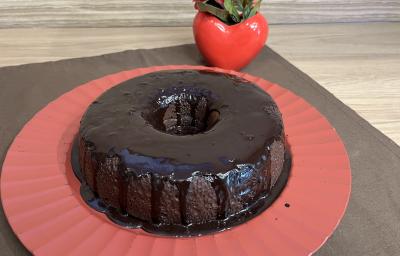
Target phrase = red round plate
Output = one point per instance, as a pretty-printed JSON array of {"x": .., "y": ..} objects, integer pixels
[{"x": 41, "y": 199}]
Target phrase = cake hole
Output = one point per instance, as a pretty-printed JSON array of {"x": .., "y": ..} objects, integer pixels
[
  {"x": 287, "y": 205},
  {"x": 183, "y": 113}
]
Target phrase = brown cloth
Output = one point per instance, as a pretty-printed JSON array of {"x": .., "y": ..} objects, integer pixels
[{"x": 371, "y": 225}]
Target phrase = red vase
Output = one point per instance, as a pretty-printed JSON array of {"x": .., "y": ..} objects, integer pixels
[{"x": 229, "y": 47}]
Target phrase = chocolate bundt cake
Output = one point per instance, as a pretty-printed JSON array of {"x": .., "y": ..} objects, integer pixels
[{"x": 182, "y": 148}]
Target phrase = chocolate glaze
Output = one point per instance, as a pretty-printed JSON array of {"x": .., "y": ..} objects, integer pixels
[
  {"x": 182, "y": 230},
  {"x": 243, "y": 128},
  {"x": 182, "y": 149}
]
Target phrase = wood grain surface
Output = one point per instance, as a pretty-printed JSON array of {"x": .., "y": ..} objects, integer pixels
[
  {"x": 132, "y": 13},
  {"x": 358, "y": 63}
]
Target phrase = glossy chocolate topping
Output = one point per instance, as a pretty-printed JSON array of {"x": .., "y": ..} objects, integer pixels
[
  {"x": 127, "y": 121},
  {"x": 182, "y": 152}
]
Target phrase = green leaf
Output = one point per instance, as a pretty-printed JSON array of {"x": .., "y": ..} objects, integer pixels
[
  {"x": 218, "y": 12},
  {"x": 239, "y": 5},
  {"x": 255, "y": 9},
  {"x": 236, "y": 16},
  {"x": 246, "y": 12},
  {"x": 229, "y": 6}
]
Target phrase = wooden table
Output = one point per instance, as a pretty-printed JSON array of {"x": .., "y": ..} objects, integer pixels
[{"x": 358, "y": 63}]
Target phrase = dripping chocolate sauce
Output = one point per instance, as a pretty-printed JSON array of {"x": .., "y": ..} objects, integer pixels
[{"x": 224, "y": 222}]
